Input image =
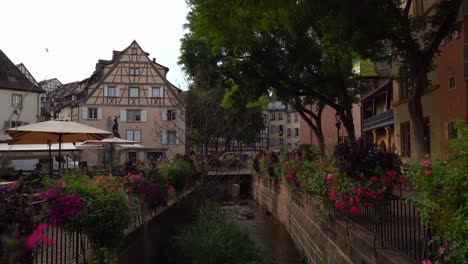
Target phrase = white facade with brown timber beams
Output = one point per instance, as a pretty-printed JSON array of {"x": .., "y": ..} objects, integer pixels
[{"x": 134, "y": 88}]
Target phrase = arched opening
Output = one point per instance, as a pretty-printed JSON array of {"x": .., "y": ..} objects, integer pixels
[{"x": 383, "y": 146}]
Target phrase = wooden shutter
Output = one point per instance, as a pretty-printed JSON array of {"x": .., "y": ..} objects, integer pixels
[
  {"x": 465, "y": 61},
  {"x": 106, "y": 91},
  {"x": 117, "y": 91},
  {"x": 123, "y": 115},
  {"x": 164, "y": 137},
  {"x": 144, "y": 115},
  {"x": 129, "y": 134},
  {"x": 99, "y": 113},
  {"x": 85, "y": 113},
  {"x": 137, "y": 135},
  {"x": 161, "y": 91},
  {"x": 150, "y": 92},
  {"x": 164, "y": 114}
]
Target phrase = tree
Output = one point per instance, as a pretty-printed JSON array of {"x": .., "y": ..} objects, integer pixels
[
  {"x": 414, "y": 39},
  {"x": 264, "y": 48}
]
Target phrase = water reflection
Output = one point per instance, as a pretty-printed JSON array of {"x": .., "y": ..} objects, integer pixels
[{"x": 266, "y": 231}]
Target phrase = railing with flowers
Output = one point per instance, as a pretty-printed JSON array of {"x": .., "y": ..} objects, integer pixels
[
  {"x": 82, "y": 219},
  {"x": 360, "y": 185}
]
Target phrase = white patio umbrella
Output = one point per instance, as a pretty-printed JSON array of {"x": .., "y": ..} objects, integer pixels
[
  {"x": 112, "y": 141},
  {"x": 55, "y": 131}
]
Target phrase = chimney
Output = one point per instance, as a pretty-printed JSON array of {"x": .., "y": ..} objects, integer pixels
[{"x": 154, "y": 60}]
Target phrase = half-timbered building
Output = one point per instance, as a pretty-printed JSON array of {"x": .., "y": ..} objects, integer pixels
[{"x": 133, "y": 89}]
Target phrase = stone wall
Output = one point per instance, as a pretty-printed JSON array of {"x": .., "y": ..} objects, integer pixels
[
  {"x": 313, "y": 238},
  {"x": 160, "y": 228}
]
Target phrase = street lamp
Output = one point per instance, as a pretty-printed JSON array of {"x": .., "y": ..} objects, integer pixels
[{"x": 338, "y": 126}]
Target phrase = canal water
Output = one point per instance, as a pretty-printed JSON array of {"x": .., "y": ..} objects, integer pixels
[{"x": 266, "y": 231}]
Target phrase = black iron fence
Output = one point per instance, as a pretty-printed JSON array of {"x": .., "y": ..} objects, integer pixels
[
  {"x": 67, "y": 246},
  {"x": 395, "y": 223}
]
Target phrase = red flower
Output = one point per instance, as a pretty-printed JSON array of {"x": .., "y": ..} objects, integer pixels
[
  {"x": 391, "y": 173},
  {"x": 374, "y": 178},
  {"x": 360, "y": 191},
  {"x": 341, "y": 205},
  {"x": 357, "y": 200},
  {"x": 354, "y": 210}
]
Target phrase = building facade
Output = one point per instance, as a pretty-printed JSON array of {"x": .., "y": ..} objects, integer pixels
[
  {"x": 332, "y": 135},
  {"x": 284, "y": 127},
  {"x": 377, "y": 111},
  {"x": 452, "y": 73},
  {"x": 132, "y": 89},
  {"x": 445, "y": 98},
  {"x": 19, "y": 97}
]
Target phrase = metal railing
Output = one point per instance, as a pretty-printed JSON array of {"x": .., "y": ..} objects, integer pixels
[
  {"x": 380, "y": 120},
  {"x": 395, "y": 224},
  {"x": 67, "y": 246}
]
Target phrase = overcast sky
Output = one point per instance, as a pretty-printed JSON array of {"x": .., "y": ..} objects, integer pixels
[{"x": 77, "y": 33}]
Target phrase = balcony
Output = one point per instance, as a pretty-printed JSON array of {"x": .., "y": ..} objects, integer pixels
[{"x": 381, "y": 120}]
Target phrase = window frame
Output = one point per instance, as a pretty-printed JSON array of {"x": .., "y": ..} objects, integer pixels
[
  {"x": 405, "y": 139},
  {"x": 111, "y": 88},
  {"x": 133, "y": 134},
  {"x": 452, "y": 132},
  {"x": 171, "y": 134},
  {"x": 403, "y": 83},
  {"x": 90, "y": 111},
  {"x": 158, "y": 94},
  {"x": 132, "y": 114},
  {"x": 130, "y": 91},
  {"x": 20, "y": 96},
  {"x": 134, "y": 71},
  {"x": 452, "y": 77},
  {"x": 171, "y": 114},
  {"x": 296, "y": 132},
  {"x": 134, "y": 51}
]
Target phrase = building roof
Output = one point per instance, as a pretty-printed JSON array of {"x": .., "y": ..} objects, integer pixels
[
  {"x": 13, "y": 79},
  {"x": 27, "y": 73}
]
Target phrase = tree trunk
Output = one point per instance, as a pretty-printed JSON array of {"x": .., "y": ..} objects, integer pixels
[
  {"x": 348, "y": 123},
  {"x": 417, "y": 117}
]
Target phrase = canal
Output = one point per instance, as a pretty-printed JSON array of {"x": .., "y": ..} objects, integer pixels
[
  {"x": 263, "y": 229},
  {"x": 266, "y": 231}
]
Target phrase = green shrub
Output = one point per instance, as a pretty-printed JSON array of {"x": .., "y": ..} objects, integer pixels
[
  {"x": 178, "y": 172},
  {"x": 215, "y": 239},
  {"x": 106, "y": 215},
  {"x": 443, "y": 198}
]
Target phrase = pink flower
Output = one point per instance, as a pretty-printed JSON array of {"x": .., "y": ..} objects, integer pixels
[
  {"x": 426, "y": 163},
  {"x": 374, "y": 178},
  {"x": 426, "y": 261},
  {"x": 354, "y": 210},
  {"x": 441, "y": 250},
  {"x": 329, "y": 177},
  {"x": 427, "y": 156},
  {"x": 14, "y": 186},
  {"x": 37, "y": 236},
  {"x": 429, "y": 172}
]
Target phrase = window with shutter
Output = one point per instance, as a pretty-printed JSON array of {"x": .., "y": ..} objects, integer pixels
[{"x": 405, "y": 139}]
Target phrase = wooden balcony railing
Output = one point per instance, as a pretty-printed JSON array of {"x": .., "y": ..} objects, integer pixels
[{"x": 377, "y": 121}]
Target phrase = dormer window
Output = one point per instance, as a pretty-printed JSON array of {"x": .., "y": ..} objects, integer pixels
[
  {"x": 12, "y": 78},
  {"x": 134, "y": 51},
  {"x": 134, "y": 71}
]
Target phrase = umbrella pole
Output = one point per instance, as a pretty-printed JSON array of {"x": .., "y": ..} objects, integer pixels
[
  {"x": 111, "y": 156},
  {"x": 51, "y": 164},
  {"x": 60, "y": 154}
]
